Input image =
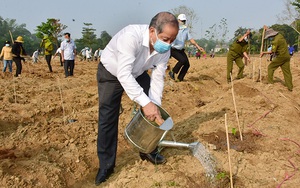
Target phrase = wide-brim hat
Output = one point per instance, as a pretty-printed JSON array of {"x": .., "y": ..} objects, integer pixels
[
  {"x": 270, "y": 33},
  {"x": 19, "y": 39}
]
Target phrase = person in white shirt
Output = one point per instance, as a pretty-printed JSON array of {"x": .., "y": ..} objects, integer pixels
[
  {"x": 83, "y": 53},
  {"x": 124, "y": 65},
  {"x": 96, "y": 54},
  {"x": 178, "y": 52},
  {"x": 35, "y": 56},
  {"x": 68, "y": 52},
  {"x": 58, "y": 52},
  {"x": 89, "y": 54}
]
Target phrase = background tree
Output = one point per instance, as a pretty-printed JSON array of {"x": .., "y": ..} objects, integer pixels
[
  {"x": 53, "y": 28},
  {"x": 104, "y": 39},
  {"x": 218, "y": 33},
  {"x": 289, "y": 13},
  {"x": 211, "y": 33},
  {"x": 208, "y": 44},
  {"x": 223, "y": 31},
  {"x": 6, "y": 25},
  {"x": 289, "y": 33},
  {"x": 89, "y": 37},
  {"x": 296, "y": 3},
  {"x": 192, "y": 17},
  {"x": 291, "y": 16}
]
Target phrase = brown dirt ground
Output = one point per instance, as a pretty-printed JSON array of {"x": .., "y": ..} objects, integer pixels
[{"x": 37, "y": 149}]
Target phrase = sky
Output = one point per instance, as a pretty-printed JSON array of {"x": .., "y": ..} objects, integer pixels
[{"x": 113, "y": 15}]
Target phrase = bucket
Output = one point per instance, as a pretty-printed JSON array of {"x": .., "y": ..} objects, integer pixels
[{"x": 143, "y": 134}]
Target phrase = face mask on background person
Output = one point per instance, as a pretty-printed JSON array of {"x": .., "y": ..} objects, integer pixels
[
  {"x": 68, "y": 40},
  {"x": 7, "y": 45},
  {"x": 246, "y": 39},
  {"x": 161, "y": 46},
  {"x": 271, "y": 38}
]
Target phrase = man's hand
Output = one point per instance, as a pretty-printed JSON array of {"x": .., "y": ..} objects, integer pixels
[
  {"x": 248, "y": 59},
  {"x": 152, "y": 113},
  {"x": 248, "y": 32},
  {"x": 201, "y": 49},
  {"x": 262, "y": 54},
  {"x": 266, "y": 27}
]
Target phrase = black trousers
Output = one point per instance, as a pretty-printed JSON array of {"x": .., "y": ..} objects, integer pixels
[
  {"x": 48, "y": 60},
  {"x": 110, "y": 93},
  {"x": 18, "y": 60},
  {"x": 183, "y": 63},
  {"x": 69, "y": 67},
  {"x": 60, "y": 59}
]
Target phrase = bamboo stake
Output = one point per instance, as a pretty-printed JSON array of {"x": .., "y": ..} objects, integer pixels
[
  {"x": 235, "y": 108},
  {"x": 61, "y": 99},
  {"x": 260, "y": 70},
  {"x": 15, "y": 94},
  {"x": 290, "y": 100},
  {"x": 253, "y": 71},
  {"x": 11, "y": 37},
  {"x": 261, "y": 50},
  {"x": 12, "y": 41},
  {"x": 228, "y": 150}
]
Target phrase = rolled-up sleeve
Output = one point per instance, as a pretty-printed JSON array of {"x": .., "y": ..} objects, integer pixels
[
  {"x": 127, "y": 48},
  {"x": 157, "y": 80}
]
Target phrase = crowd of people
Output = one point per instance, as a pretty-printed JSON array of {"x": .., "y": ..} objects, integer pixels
[{"x": 15, "y": 52}]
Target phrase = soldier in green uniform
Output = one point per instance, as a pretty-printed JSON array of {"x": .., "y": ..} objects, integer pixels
[
  {"x": 281, "y": 59},
  {"x": 237, "y": 51}
]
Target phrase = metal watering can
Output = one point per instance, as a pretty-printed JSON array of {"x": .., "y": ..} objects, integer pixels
[{"x": 146, "y": 137}]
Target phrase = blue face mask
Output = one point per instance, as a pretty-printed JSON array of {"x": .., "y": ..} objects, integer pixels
[
  {"x": 161, "y": 46},
  {"x": 6, "y": 44}
]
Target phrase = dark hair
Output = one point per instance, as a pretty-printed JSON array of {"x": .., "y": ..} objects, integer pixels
[
  {"x": 163, "y": 18},
  {"x": 69, "y": 35},
  {"x": 7, "y": 42}
]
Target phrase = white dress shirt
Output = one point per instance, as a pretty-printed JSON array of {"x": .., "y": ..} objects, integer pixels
[
  {"x": 68, "y": 48},
  {"x": 127, "y": 56}
]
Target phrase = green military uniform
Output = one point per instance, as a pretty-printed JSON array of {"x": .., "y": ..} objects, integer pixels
[
  {"x": 282, "y": 59},
  {"x": 235, "y": 54}
]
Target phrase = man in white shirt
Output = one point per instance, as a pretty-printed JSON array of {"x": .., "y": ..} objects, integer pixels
[
  {"x": 68, "y": 52},
  {"x": 177, "y": 50},
  {"x": 124, "y": 64}
]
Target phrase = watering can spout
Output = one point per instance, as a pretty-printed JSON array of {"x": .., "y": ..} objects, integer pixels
[
  {"x": 193, "y": 145},
  {"x": 165, "y": 143}
]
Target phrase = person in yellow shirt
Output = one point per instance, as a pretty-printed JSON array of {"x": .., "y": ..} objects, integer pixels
[
  {"x": 47, "y": 45},
  {"x": 6, "y": 53}
]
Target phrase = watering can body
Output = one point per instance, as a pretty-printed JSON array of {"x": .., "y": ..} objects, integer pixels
[{"x": 145, "y": 135}]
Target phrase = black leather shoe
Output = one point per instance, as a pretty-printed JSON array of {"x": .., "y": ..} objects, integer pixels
[
  {"x": 154, "y": 158},
  {"x": 171, "y": 74},
  {"x": 103, "y": 175}
]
